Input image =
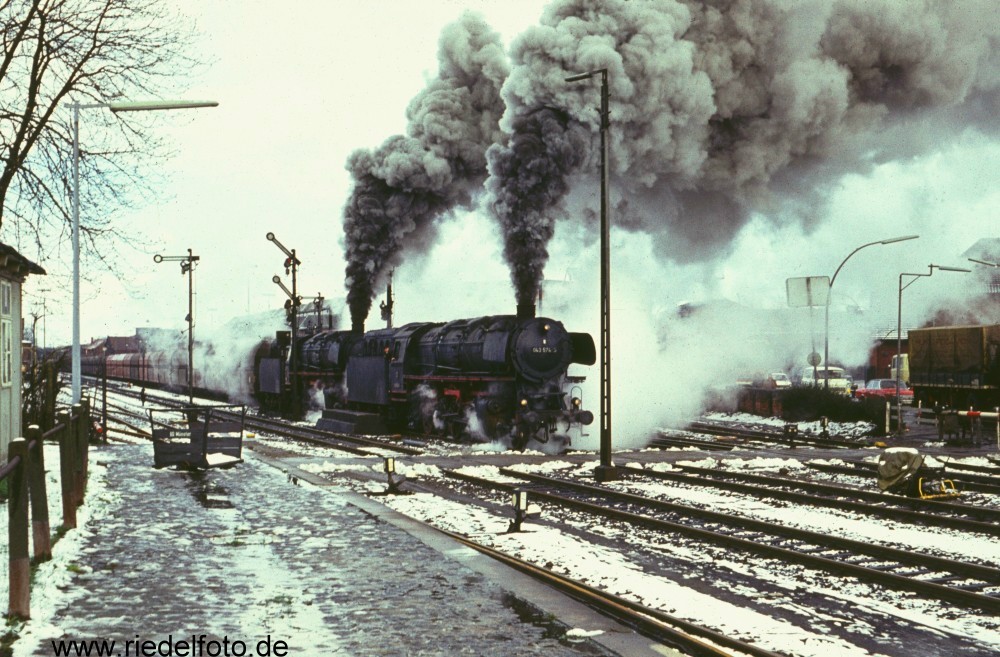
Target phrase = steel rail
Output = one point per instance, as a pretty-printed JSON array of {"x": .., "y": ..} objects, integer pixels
[
  {"x": 318, "y": 435},
  {"x": 774, "y": 436},
  {"x": 934, "y": 590},
  {"x": 725, "y": 480},
  {"x": 308, "y": 434},
  {"x": 968, "y": 482},
  {"x": 650, "y": 622},
  {"x": 676, "y": 441},
  {"x": 984, "y": 512},
  {"x": 980, "y": 478}
]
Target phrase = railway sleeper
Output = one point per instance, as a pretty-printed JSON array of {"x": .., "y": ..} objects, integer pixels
[
  {"x": 952, "y": 581},
  {"x": 883, "y": 566},
  {"x": 834, "y": 554},
  {"x": 978, "y": 587},
  {"x": 913, "y": 572}
]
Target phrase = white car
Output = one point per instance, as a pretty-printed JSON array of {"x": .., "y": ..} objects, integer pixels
[
  {"x": 779, "y": 380},
  {"x": 831, "y": 377}
]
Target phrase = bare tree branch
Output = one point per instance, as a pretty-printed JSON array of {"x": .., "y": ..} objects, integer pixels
[{"x": 87, "y": 51}]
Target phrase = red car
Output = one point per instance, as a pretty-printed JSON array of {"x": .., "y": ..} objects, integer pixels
[{"x": 885, "y": 388}]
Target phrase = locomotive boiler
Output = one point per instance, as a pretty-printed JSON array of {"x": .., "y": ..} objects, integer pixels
[{"x": 499, "y": 377}]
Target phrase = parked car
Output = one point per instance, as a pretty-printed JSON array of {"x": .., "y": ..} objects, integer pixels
[
  {"x": 778, "y": 380},
  {"x": 762, "y": 379},
  {"x": 832, "y": 377},
  {"x": 885, "y": 388}
]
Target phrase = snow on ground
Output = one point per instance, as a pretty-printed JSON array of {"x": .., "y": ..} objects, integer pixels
[
  {"x": 613, "y": 570},
  {"x": 840, "y": 429},
  {"x": 52, "y": 578},
  {"x": 610, "y": 570}
]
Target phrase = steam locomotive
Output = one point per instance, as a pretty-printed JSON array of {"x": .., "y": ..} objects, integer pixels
[{"x": 500, "y": 377}]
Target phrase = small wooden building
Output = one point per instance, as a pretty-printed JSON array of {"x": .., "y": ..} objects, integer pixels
[{"x": 14, "y": 269}]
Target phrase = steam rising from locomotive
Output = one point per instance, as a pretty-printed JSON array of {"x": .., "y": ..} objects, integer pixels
[{"x": 719, "y": 110}]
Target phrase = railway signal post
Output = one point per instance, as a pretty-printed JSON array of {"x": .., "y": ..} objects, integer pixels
[
  {"x": 291, "y": 266},
  {"x": 187, "y": 267}
]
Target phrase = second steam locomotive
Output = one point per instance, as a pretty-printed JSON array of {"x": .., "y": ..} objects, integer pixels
[{"x": 500, "y": 377}]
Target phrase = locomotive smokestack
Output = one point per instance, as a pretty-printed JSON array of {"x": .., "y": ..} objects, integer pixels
[
  {"x": 525, "y": 310},
  {"x": 358, "y": 326}
]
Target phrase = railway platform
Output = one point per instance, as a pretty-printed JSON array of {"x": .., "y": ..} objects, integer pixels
[{"x": 265, "y": 559}]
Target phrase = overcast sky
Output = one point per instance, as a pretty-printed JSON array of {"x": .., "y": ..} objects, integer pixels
[{"x": 302, "y": 86}]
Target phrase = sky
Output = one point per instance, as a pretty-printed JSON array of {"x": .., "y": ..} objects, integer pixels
[{"x": 301, "y": 87}]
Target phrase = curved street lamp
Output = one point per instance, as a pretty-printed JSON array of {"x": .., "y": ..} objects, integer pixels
[
  {"x": 826, "y": 339},
  {"x": 118, "y": 106},
  {"x": 899, "y": 330}
]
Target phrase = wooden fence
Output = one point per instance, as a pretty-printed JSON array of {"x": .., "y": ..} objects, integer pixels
[{"x": 25, "y": 476}]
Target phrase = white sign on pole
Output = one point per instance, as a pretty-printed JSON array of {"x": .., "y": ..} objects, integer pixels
[{"x": 808, "y": 291}]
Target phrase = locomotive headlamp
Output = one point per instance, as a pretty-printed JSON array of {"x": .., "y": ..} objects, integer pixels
[
  {"x": 524, "y": 402},
  {"x": 546, "y": 327}
]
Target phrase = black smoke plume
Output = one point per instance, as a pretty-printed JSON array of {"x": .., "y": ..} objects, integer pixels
[
  {"x": 533, "y": 166},
  {"x": 721, "y": 109},
  {"x": 404, "y": 186}
]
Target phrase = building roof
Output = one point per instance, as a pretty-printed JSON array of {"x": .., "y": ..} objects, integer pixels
[
  {"x": 16, "y": 265},
  {"x": 987, "y": 249}
]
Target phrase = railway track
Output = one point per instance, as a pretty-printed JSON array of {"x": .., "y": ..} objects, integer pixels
[
  {"x": 343, "y": 442},
  {"x": 683, "y": 635},
  {"x": 970, "y": 585},
  {"x": 894, "y": 507},
  {"x": 744, "y": 435},
  {"x": 358, "y": 445},
  {"x": 963, "y": 480}
]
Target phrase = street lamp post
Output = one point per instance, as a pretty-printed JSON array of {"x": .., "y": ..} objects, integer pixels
[
  {"x": 120, "y": 106},
  {"x": 187, "y": 267},
  {"x": 899, "y": 330},
  {"x": 291, "y": 266},
  {"x": 826, "y": 339},
  {"x": 606, "y": 470}
]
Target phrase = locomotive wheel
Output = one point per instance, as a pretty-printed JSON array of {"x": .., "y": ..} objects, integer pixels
[{"x": 520, "y": 441}]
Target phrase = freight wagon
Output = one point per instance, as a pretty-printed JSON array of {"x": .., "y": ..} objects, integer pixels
[{"x": 956, "y": 366}]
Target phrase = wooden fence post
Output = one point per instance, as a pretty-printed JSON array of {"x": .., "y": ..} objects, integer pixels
[
  {"x": 41, "y": 538},
  {"x": 17, "y": 533},
  {"x": 88, "y": 429},
  {"x": 80, "y": 428},
  {"x": 67, "y": 470},
  {"x": 51, "y": 382}
]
